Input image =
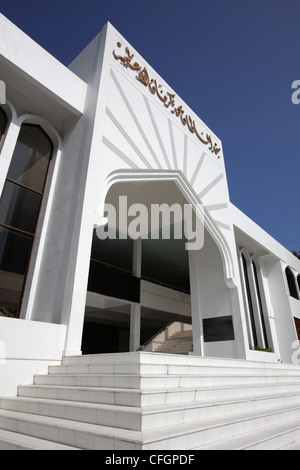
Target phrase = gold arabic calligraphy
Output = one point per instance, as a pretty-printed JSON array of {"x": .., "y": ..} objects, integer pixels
[{"x": 168, "y": 99}]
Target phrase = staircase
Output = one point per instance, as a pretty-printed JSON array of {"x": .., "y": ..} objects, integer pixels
[
  {"x": 175, "y": 338},
  {"x": 152, "y": 401}
]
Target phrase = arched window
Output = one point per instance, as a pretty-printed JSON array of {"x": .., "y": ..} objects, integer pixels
[
  {"x": 298, "y": 281},
  {"x": 260, "y": 305},
  {"x": 3, "y": 123},
  {"x": 259, "y": 332},
  {"x": 20, "y": 206},
  {"x": 250, "y": 301},
  {"x": 291, "y": 283}
]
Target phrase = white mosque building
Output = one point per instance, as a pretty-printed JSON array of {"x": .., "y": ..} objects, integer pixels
[{"x": 90, "y": 155}]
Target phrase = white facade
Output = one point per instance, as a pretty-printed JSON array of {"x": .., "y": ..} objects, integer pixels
[{"x": 118, "y": 129}]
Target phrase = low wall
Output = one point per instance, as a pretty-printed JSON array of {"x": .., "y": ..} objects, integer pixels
[{"x": 27, "y": 348}]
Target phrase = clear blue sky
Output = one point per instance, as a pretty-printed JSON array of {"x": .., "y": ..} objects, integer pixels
[{"x": 232, "y": 61}]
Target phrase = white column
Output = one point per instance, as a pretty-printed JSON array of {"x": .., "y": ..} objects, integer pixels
[
  {"x": 10, "y": 140},
  {"x": 135, "y": 327},
  {"x": 198, "y": 340},
  {"x": 137, "y": 258},
  {"x": 135, "y": 309}
]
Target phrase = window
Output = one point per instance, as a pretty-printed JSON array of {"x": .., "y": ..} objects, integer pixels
[
  {"x": 20, "y": 206},
  {"x": 249, "y": 300},
  {"x": 259, "y": 331},
  {"x": 3, "y": 123},
  {"x": 260, "y": 305},
  {"x": 291, "y": 283},
  {"x": 298, "y": 281}
]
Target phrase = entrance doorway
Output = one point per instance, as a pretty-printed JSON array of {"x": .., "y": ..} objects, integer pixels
[{"x": 150, "y": 273}]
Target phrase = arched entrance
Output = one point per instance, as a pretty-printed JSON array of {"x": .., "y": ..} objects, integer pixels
[
  {"x": 140, "y": 275},
  {"x": 138, "y": 282}
]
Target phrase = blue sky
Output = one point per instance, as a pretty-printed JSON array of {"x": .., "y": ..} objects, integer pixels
[{"x": 232, "y": 61}]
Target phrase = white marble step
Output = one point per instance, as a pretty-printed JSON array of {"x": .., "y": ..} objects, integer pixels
[
  {"x": 15, "y": 441},
  {"x": 187, "y": 336},
  {"x": 142, "y": 357},
  {"x": 177, "y": 343},
  {"x": 160, "y": 381},
  {"x": 282, "y": 436},
  {"x": 119, "y": 369},
  {"x": 139, "y": 419},
  {"x": 75, "y": 434},
  {"x": 182, "y": 336},
  {"x": 161, "y": 363},
  {"x": 165, "y": 369},
  {"x": 154, "y": 397},
  {"x": 157, "y": 401},
  {"x": 105, "y": 395},
  {"x": 175, "y": 348},
  {"x": 185, "y": 436}
]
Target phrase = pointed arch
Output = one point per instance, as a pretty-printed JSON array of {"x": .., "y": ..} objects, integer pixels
[
  {"x": 7, "y": 115},
  {"x": 291, "y": 282},
  {"x": 179, "y": 179},
  {"x": 45, "y": 125}
]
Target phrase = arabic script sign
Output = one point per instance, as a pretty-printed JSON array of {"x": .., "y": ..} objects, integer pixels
[{"x": 168, "y": 99}]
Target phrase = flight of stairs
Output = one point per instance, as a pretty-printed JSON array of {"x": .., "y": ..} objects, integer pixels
[
  {"x": 174, "y": 338},
  {"x": 180, "y": 342},
  {"x": 153, "y": 401}
]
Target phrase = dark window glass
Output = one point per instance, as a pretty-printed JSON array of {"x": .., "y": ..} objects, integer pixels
[
  {"x": 15, "y": 249},
  {"x": 19, "y": 207},
  {"x": 291, "y": 283},
  {"x": 31, "y": 158},
  {"x": 249, "y": 299},
  {"x": 298, "y": 280},
  {"x": 165, "y": 262},
  {"x": 261, "y": 311},
  {"x": 115, "y": 252},
  {"x": 3, "y": 122},
  {"x": 18, "y": 245}
]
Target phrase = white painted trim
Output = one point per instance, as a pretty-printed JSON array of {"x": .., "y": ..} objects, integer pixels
[
  {"x": 37, "y": 250},
  {"x": 121, "y": 176}
]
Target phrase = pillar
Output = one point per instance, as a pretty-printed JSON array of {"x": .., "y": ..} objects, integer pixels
[
  {"x": 198, "y": 340},
  {"x": 135, "y": 327},
  {"x": 135, "y": 309}
]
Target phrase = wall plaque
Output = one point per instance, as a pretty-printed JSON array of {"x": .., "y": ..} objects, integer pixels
[{"x": 218, "y": 329}]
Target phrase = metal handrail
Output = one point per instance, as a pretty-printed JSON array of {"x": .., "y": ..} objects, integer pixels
[
  {"x": 126, "y": 271},
  {"x": 165, "y": 327},
  {"x": 164, "y": 284},
  {"x": 144, "y": 278},
  {"x": 141, "y": 348}
]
